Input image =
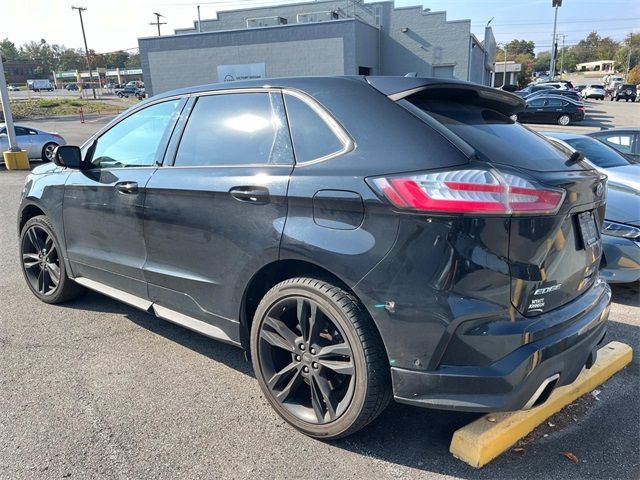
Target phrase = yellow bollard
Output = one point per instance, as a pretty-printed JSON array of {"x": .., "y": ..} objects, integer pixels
[{"x": 16, "y": 160}]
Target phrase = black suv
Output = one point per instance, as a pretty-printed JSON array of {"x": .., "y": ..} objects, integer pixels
[
  {"x": 363, "y": 237},
  {"x": 625, "y": 92}
]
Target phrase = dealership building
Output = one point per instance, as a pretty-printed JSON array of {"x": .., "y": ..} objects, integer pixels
[{"x": 318, "y": 38}]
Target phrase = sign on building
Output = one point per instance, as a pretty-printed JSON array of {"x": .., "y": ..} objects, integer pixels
[{"x": 243, "y": 71}]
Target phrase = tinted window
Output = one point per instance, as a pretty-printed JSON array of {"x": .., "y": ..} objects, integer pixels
[
  {"x": 537, "y": 102},
  {"x": 236, "y": 129},
  {"x": 598, "y": 153},
  {"x": 21, "y": 131},
  {"x": 312, "y": 137},
  {"x": 554, "y": 102},
  {"x": 135, "y": 141},
  {"x": 495, "y": 137}
]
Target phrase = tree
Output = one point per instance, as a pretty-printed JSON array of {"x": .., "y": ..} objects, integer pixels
[
  {"x": 542, "y": 62},
  {"x": 71, "y": 59},
  {"x": 42, "y": 54},
  {"x": 116, "y": 59},
  {"x": 9, "y": 51},
  {"x": 521, "y": 47},
  {"x": 634, "y": 75},
  {"x": 133, "y": 61}
]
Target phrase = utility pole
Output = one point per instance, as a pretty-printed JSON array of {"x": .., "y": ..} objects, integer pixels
[
  {"x": 484, "y": 55},
  {"x": 626, "y": 73},
  {"x": 552, "y": 68},
  {"x": 158, "y": 22},
  {"x": 562, "y": 54},
  {"x": 86, "y": 49},
  {"x": 199, "y": 23}
]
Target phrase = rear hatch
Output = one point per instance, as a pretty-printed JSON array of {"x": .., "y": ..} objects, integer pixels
[{"x": 554, "y": 256}]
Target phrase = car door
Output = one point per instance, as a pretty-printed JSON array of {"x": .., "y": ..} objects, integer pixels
[
  {"x": 534, "y": 110},
  {"x": 214, "y": 214},
  {"x": 103, "y": 202}
]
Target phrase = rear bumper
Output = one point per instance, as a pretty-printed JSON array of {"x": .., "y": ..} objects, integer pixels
[{"x": 552, "y": 354}]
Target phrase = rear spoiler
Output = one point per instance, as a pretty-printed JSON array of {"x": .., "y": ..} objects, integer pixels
[{"x": 397, "y": 88}]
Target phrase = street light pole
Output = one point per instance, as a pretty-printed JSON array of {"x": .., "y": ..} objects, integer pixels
[
  {"x": 562, "y": 54},
  {"x": 6, "y": 108},
  {"x": 552, "y": 68},
  {"x": 86, "y": 49},
  {"x": 504, "y": 73},
  {"x": 199, "y": 23}
]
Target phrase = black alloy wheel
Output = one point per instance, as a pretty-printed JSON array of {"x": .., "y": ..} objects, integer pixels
[
  {"x": 307, "y": 346},
  {"x": 40, "y": 260},
  {"x": 43, "y": 265}
]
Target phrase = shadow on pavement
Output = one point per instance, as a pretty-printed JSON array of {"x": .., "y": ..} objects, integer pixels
[{"x": 419, "y": 438}]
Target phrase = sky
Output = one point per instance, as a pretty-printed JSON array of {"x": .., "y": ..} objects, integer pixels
[{"x": 117, "y": 24}]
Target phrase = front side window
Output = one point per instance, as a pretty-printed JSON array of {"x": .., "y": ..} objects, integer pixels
[
  {"x": 136, "y": 140},
  {"x": 236, "y": 129},
  {"x": 313, "y": 138}
]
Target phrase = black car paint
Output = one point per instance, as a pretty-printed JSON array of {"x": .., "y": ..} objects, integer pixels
[
  {"x": 439, "y": 288},
  {"x": 550, "y": 113}
]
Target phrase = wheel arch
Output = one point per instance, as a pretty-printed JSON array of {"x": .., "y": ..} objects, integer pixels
[
  {"x": 27, "y": 212},
  {"x": 272, "y": 274}
]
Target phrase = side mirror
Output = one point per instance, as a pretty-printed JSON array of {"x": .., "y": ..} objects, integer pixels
[{"x": 68, "y": 156}]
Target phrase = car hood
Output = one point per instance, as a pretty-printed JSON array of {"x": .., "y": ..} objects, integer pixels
[
  {"x": 623, "y": 207},
  {"x": 626, "y": 177},
  {"x": 45, "y": 168}
]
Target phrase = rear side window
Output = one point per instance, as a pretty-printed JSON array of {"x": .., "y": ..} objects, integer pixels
[
  {"x": 236, "y": 129},
  {"x": 313, "y": 138},
  {"x": 495, "y": 137}
]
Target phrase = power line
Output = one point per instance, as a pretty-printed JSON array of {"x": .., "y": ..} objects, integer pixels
[{"x": 158, "y": 22}]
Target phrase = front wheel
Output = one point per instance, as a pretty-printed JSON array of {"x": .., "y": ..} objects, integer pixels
[
  {"x": 319, "y": 359},
  {"x": 564, "y": 120},
  {"x": 42, "y": 263}
]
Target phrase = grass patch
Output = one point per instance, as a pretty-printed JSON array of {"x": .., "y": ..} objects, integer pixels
[{"x": 54, "y": 107}]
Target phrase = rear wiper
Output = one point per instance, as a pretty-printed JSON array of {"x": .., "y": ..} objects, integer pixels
[{"x": 575, "y": 158}]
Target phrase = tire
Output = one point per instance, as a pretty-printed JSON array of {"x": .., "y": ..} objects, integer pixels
[
  {"x": 343, "y": 402},
  {"x": 47, "y": 151},
  {"x": 564, "y": 120},
  {"x": 38, "y": 236}
]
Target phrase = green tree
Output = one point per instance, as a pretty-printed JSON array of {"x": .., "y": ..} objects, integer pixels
[
  {"x": 521, "y": 47},
  {"x": 634, "y": 75},
  {"x": 9, "y": 51},
  {"x": 133, "y": 61},
  {"x": 42, "y": 54},
  {"x": 542, "y": 62},
  {"x": 70, "y": 59},
  {"x": 116, "y": 59}
]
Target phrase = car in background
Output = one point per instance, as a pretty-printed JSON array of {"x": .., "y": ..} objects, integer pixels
[
  {"x": 559, "y": 84},
  {"x": 624, "y": 140},
  {"x": 624, "y": 92},
  {"x": 37, "y": 143},
  {"x": 550, "y": 108},
  {"x": 621, "y": 237},
  {"x": 270, "y": 217},
  {"x": 622, "y": 173},
  {"x": 575, "y": 96},
  {"x": 72, "y": 87},
  {"x": 13, "y": 88},
  {"x": 579, "y": 88},
  {"x": 130, "y": 91},
  {"x": 528, "y": 90},
  {"x": 593, "y": 91}
]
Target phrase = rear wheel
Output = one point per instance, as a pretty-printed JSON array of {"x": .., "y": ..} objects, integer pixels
[
  {"x": 564, "y": 120},
  {"x": 319, "y": 359},
  {"x": 47, "y": 151},
  {"x": 42, "y": 263}
]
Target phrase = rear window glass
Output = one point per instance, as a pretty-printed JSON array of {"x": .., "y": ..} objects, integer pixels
[
  {"x": 597, "y": 153},
  {"x": 496, "y": 137}
]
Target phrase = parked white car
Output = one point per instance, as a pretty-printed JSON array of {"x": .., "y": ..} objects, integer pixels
[{"x": 593, "y": 91}]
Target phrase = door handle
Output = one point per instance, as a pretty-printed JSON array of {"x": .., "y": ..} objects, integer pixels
[
  {"x": 127, "y": 187},
  {"x": 251, "y": 194}
]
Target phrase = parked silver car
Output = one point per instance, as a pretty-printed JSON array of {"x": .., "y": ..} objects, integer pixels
[
  {"x": 38, "y": 143},
  {"x": 622, "y": 173},
  {"x": 621, "y": 237},
  {"x": 624, "y": 140}
]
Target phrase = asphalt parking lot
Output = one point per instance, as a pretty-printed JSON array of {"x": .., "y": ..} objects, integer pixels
[{"x": 97, "y": 389}]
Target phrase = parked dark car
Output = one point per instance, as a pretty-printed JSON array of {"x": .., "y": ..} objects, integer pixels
[
  {"x": 533, "y": 88},
  {"x": 71, "y": 87},
  {"x": 130, "y": 91},
  {"x": 551, "y": 108},
  {"x": 624, "y": 92},
  {"x": 624, "y": 140},
  {"x": 366, "y": 238},
  {"x": 575, "y": 96}
]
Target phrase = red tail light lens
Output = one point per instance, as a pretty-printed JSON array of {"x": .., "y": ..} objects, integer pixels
[{"x": 469, "y": 191}]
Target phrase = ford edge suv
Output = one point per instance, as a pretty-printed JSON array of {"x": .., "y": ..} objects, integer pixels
[{"x": 365, "y": 238}]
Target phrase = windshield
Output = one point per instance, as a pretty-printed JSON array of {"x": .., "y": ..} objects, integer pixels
[{"x": 598, "y": 153}]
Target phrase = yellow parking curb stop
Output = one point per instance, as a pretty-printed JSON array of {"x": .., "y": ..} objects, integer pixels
[
  {"x": 16, "y": 160},
  {"x": 484, "y": 439}
]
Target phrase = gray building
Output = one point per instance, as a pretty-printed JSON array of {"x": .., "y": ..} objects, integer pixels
[{"x": 318, "y": 38}]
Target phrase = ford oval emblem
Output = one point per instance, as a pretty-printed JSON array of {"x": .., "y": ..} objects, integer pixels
[{"x": 599, "y": 189}]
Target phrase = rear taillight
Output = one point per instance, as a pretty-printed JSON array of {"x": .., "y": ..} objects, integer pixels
[
  {"x": 580, "y": 108},
  {"x": 468, "y": 191}
]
